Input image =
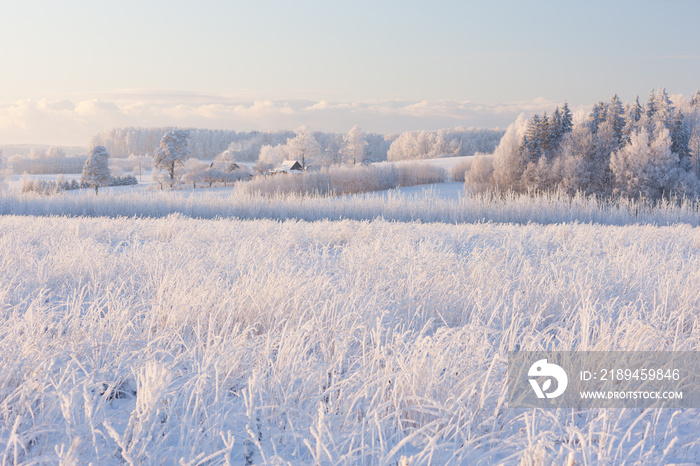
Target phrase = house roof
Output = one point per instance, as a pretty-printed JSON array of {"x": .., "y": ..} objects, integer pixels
[{"x": 288, "y": 165}]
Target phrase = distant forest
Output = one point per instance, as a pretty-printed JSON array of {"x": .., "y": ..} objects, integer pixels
[
  {"x": 206, "y": 144},
  {"x": 647, "y": 151}
]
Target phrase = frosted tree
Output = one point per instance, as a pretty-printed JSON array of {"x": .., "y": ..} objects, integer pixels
[
  {"x": 694, "y": 151},
  {"x": 96, "y": 169},
  {"x": 567, "y": 120},
  {"x": 172, "y": 152},
  {"x": 332, "y": 153},
  {"x": 303, "y": 147},
  {"x": 194, "y": 172},
  {"x": 665, "y": 112},
  {"x": 636, "y": 110},
  {"x": 577, "y": 161},
  {"x": 634, "y": 113},
  {"x": 226, "y": 157},
  {"x": 477, "y": 179},
  {"x": 160, "y": 177},
  {"x": 616, "y": 116},
  {"x": 511, "y": 157},
  {"x": 645, "y": 167},
  {"x": 651, "y": 104},
  {"x": 545, "y": 132},
  {"x": 597, "y": 116},
  {"x": 605, "y": 142},
  {"x": 695, "y": 100},
  {"x": 354, "y": 145},
  {"x": 556, "y": 128},
  {"x": 533, "y": 137},
  {"x": 274, "y": 155}
]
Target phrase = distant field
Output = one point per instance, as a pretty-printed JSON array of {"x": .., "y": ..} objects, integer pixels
[
  {"x": 151, "y": 340},
  {"x": 447, "y": 164}
]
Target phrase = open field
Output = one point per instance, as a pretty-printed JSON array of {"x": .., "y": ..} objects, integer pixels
[
  {"x": 214, "y": 341},
  {"x": 216, "y": 326},
  {"x": 417, "y": 203}
]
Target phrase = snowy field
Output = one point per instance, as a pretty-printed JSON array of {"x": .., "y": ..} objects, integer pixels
[
  {"x": 212, "y": 326},
  {"x": 215, "y": 341},
  {"x": 428, "y": 203}
]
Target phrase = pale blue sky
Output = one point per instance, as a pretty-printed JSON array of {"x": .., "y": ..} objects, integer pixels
[{"x": 205, "y": 63}]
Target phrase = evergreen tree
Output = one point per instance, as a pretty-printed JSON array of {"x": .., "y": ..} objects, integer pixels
[
  {"x": 557, "y": 131},
  {"x": 695, "y": 100},
  {"x": 533, "y": 142},
  {"x": 597, "y": 116},
  {"x": 615, "y": 115},
  {"x": 567, "y": 121},
  {"x": 545, "y": 132},
  {"x": 604, "y": 143},
  {"x": 636, "y": 110},
  {"x": 680, "y": 136},
  {"x": 651, "y": 104},
  {"x": 665, "y": 111},
  {"x": 694, "y": 151}
]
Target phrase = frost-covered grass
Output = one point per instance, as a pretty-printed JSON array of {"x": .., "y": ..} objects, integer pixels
[
  {"x": 345, "y": 180},
  {"x": 427, "y": 206},
  {"x": 213, "y": 341}
]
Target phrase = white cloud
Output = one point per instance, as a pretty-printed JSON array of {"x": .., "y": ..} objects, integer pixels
[{"x": 69, "y": 122}]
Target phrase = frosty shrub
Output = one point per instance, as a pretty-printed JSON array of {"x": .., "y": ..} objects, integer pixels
[
  {"x": 194, "y": 172},
  {"x": 127, "y": 180},
  {"x": 46, "y": 188},
  {"x": 200, "y": 173},
  {"x": 477, "y": 177},
  {"x": 458, "y": 171},
  {"x": 345, "y": 180}
]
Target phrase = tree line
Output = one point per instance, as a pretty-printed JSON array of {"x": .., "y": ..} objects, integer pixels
[
  {"x": 251, "y": 146},
  {"x": 635, "y": 150}
]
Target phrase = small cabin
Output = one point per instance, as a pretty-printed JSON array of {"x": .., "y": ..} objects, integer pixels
[{"x": 288, "y": 166}]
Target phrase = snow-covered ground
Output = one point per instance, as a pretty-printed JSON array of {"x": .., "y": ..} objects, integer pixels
[
  {"x": 442, "y": 162},
  {"x": 211, "y": 341},
  {"x": 210, "y": 326},
  {"x": 450, "y": 190},
  {"x": 424, "y": 204},
  {"x": 145, "y": 183}
]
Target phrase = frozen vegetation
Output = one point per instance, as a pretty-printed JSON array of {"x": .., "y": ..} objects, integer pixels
[
  {"x": 341, "y": 316},
  {"x": 392, "y": 205},
  {"x": 346, "y": 180},
  {"x": 231, "y": 341},
  {"x": 635, "y": 151}
]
